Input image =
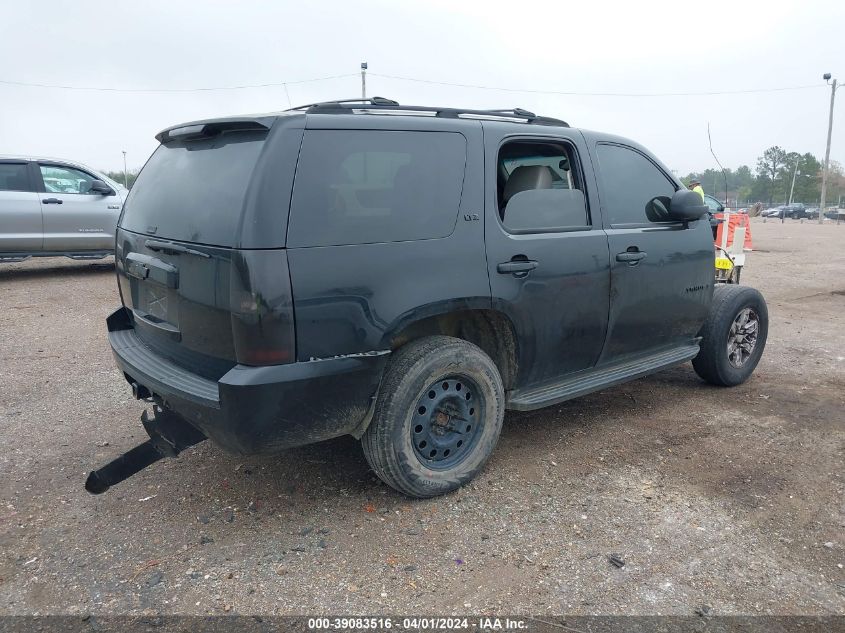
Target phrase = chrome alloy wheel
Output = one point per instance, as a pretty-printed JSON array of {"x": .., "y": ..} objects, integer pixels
[{"x": 742, "y": 337}]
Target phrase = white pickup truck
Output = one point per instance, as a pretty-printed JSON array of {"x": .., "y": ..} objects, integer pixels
[{"x": 55, "y": 207}]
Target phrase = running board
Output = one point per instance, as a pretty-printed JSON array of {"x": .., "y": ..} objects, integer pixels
[{"x": 595, "y": 379}]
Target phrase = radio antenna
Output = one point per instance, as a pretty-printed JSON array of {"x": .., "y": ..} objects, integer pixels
[{"x": 724, "y": 175}]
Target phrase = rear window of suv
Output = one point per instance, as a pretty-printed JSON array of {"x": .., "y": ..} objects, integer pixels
[
  {"x": 368, "y": 186},
  {"x": 194, "y": 190}
]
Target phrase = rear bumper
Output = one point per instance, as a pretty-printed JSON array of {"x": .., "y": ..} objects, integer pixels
[{"x": 253, "y": 410}]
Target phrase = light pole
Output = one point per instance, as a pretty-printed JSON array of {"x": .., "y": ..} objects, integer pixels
[
  {"x": 363, "y": 80},
  {"x": 125, "y": 172},
  {"x": 794, "y": 173},
  {"x": 827, "y": 150}
]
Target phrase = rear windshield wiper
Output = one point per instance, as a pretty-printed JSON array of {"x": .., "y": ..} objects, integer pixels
[{"x": 172, "y": 249}]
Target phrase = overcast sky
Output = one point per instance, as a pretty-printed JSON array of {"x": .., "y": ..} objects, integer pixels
[{"x": 580, "y": 47}]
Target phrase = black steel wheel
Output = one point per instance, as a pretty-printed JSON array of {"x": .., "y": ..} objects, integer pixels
[
  {"x": 448, "y": 421},
  {"x": 438, "y": 415}
]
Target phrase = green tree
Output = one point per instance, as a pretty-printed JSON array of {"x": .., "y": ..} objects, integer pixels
[
  {"x": 743, "y": 177},
  {"x": 771, "y": 179},
  {"x": 808, "y": 180},
  {"x": 769, "y": 166},
  {"x": 835, "y": 183},
  {"x": 790, "y": 163},
  {"x": 117, "y": 176},
  {"x": 739, "y": 181}
]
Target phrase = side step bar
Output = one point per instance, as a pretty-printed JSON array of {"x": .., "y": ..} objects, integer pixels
[
  {"x": 595, "y": 379},
  {"x": 169, "y": 436}
]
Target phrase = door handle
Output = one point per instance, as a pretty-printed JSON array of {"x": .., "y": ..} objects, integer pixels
[
  {"x": 632, "y": 257},
  {"x": 52, "y": 201},
  {"x": 518, "y": 267}
]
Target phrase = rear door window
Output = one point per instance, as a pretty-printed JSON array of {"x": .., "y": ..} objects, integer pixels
[
  {"x": 194, "y": 190},
  {"x": 368, "y": 186}
]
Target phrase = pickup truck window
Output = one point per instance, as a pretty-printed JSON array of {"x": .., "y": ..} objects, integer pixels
[
  {"x": 631, "y": 182},
  {"x": 65, "y": 179},
  {"x": 364, "y": 187},
  {"x": 13, "y": 177}
]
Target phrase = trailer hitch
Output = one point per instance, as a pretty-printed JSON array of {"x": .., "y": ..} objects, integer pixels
[{"x": 169, "y": 436}]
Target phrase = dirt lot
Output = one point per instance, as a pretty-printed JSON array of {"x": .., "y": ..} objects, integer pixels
[{"x": 731, "y": 499}]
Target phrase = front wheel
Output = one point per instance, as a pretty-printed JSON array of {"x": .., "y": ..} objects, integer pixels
[
  {"x": 733, "y": 336},
  {"x": 437, "y": 418}
]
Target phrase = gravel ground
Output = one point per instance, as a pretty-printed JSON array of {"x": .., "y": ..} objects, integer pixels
[{"x": 729, "y": 499}]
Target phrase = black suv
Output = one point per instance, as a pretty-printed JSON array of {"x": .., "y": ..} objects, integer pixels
[
  {"x": 795, "y": 211},
  {"x": 405, "y": 274}
]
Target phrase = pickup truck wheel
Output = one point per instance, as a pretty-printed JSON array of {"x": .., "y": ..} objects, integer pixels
[
  {"x": 437, "y": 417},
  {"x": 733, "y": 336}
]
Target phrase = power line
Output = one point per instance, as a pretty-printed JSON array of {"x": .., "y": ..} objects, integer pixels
[
  {"x": 200, "y": 89},
  {"x": 596, "y": 94},
  {"x": 412, "y": 79}
]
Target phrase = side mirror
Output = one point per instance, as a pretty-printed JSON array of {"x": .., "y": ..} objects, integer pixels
[
  {"x": 686, "y": 206},
  {"x": 98, "y": 186}
]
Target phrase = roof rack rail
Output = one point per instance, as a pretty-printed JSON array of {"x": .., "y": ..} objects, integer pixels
[
  {"x": 376, "y": 101},
  {"x": 348, "y": 106}
]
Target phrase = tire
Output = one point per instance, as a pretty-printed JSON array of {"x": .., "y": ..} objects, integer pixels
[
  {"x": 721, "y": 361},
  {"x": 437, "y": 417}
]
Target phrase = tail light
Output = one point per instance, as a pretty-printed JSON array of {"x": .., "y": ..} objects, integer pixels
[{"x": 261, "y": 303}]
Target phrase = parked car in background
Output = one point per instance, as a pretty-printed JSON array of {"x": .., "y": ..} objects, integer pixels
[
  {"x": 812, "y": 213},
  {"x": 714, "y": 204},
  {"x": 51, "y": 207},
  {"x": 796, "y": 210},
  {"x": 774, "y": 212}
]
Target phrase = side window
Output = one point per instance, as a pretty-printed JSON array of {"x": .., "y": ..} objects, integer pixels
[
  {"x": 65, "y": 179},
  {"x": 367, "y": 186},
  {"x": 631, "y": 183},
  {"x": 714, "y": 205},
  {"x": 540, "y": 187},
  {"x": 13, "y": 177}
]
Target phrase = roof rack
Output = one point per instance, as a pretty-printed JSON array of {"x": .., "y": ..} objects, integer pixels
[{"x": 376, "y": 104}]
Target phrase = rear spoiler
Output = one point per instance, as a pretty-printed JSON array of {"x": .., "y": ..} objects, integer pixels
[{"x": 212, "y": 127}]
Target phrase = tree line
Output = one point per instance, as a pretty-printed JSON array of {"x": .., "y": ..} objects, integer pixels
[
  {"x": 118, "y": 176},
  {"x": 771, "y": 179}
]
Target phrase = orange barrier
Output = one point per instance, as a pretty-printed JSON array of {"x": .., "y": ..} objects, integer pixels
[{"x": 735, "y": 220}]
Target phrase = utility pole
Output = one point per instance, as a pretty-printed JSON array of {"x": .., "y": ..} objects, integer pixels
[
  {"x": 794, "y": 173},
  {"x": 363, "y": 80},
  {"x": 125, "y": 172},
  {"x": 827, "y": 150}
]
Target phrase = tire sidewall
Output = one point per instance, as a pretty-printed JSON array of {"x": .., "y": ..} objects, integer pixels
[
  {"x": 749, "y": 298},
  {"x": 452, "y": 361}
]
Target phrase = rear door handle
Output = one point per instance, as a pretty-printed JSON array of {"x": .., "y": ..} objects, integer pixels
[
  {"x": 516, "y": 266},
  {"x": 632, "y": 257},
  {"x": 52, "y": 201}
]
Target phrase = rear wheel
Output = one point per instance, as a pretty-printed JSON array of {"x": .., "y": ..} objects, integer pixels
[
  {"x": 437, "y": 418},
  {"x": 733, "y": 337}
]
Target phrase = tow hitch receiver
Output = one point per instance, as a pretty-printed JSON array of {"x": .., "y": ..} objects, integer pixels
[{"x": 169, "y": 436}]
